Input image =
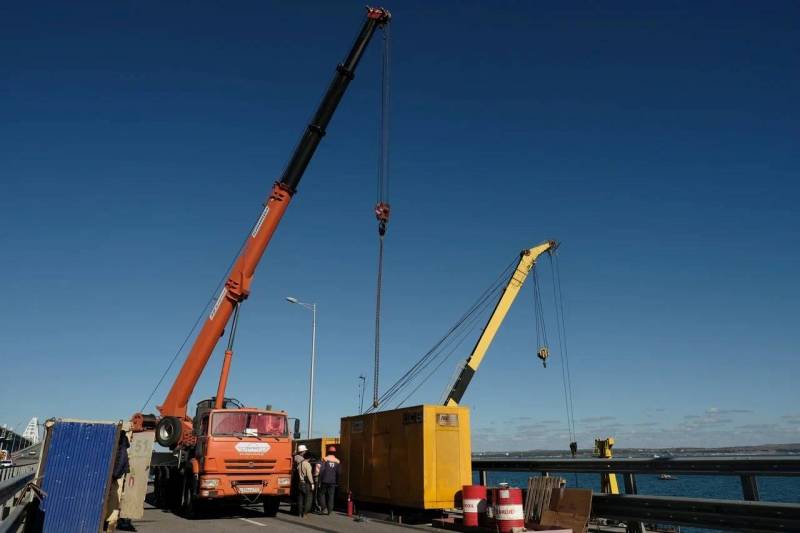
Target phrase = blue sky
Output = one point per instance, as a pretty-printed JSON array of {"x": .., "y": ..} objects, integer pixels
[{"x": 658, "y": 144}]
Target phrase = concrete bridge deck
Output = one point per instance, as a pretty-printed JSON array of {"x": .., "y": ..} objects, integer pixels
[{"x": 251, "y": 519}]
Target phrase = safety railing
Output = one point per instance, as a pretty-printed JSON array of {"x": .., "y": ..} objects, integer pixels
[
  {"x": 748, "y": 514},
  {"x": 12, "y": 508}
]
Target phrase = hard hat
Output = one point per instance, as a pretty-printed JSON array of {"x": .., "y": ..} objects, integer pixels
[{"x": 302, "y": 448}]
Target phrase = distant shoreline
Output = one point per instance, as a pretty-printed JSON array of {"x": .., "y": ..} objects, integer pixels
[{"x": 761, "y": 449}]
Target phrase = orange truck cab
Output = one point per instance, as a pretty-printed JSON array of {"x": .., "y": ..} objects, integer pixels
[{"x": 241, "y": 455}]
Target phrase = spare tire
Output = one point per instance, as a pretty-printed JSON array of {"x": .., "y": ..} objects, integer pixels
[{"x": 168, "y": 431}]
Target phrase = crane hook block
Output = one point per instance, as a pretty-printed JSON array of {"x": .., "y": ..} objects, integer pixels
[
  {"x": 382, "y": 214},
  {"x": 543, "y": 354},
  {"x": 378, "y": 13}
]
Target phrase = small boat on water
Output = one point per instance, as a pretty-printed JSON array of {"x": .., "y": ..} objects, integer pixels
[{"x": 666, "y": 477}]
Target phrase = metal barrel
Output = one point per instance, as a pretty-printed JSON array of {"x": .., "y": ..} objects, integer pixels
[
  {"x": 508, "y": 509},
  {"x": 474, "y": 497}
]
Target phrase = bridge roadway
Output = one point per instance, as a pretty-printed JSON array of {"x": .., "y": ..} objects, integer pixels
[{"x": 251, "y": 519}]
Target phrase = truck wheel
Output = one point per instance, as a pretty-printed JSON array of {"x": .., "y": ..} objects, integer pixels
[
  {"x": 168, "y": 431},
  {"x": 158, "y": 488},
  {"x": 189, "y": 504},
  {"x": 271, "y": 505},
  {"x": 174, "y": 487}
]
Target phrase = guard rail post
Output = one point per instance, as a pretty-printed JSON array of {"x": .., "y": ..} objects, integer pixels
[
  {"x": 13, "y": 512},
  {"x": 749, "y": 487}
]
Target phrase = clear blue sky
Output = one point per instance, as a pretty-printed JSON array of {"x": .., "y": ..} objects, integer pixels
[{"x": 659, "y": 144}]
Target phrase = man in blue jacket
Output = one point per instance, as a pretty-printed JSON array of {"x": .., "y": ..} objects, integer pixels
[{"x": 329, "y": 479}]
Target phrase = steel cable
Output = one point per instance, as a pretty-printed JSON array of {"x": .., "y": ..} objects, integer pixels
[
  {"x": 199, "y": 318},
  {"x": 382, "y": 200},
  {"x": 434, "y": 352}
]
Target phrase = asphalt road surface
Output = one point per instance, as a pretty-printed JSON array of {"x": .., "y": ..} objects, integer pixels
[{"x": 251, "y": 519}]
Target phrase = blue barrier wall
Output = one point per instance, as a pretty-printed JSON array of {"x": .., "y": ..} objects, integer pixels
[{"x": 79, "y": 457}]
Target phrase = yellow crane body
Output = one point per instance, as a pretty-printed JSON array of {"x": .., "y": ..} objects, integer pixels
[
  {"x": 603, "y": 450},
  {"x": 527, "y": 260}
]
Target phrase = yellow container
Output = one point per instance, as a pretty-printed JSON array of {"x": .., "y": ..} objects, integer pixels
[
  {"x": 319, "y": 446},
  {"x": 417, "y": 457}
]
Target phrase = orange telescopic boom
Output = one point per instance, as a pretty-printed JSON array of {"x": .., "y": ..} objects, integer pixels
[{"x": 237, "y": 287}]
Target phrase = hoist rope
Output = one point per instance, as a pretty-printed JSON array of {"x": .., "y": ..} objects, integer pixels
[
  {"x": 463, "y": 326},
  {"x": 538, "y": 308},
  {"x": 383, "y": 124},
  {"x": 378, "y": 294},
  {"x": 382, "y": 204},
  {"x": 566, "y": 379}
]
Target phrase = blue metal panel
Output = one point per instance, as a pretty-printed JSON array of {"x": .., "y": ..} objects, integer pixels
[{"x": 77, "y": 472}]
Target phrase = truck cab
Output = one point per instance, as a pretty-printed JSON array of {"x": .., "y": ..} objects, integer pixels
[{"x": 241, "y": 454}]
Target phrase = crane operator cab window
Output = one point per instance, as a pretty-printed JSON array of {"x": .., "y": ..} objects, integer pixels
[{"x": 244, "y": 424}]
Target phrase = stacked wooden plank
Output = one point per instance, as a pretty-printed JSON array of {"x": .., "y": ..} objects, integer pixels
[{"x": 538, "y": 496}]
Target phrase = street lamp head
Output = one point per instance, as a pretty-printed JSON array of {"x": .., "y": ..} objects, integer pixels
[{"x": 292, "y": 300}]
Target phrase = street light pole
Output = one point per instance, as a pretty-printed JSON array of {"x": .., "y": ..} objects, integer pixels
[
  {"x": 313, "y": 364},
  {"x": 313, "y": 308}
]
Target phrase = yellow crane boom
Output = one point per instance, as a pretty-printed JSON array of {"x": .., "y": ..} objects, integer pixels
[{"x": 527, "y": 259}]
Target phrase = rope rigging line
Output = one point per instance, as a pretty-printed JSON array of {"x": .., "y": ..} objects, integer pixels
[
  {"x": 462, "y": 327},
  {"x": 211, "y": 300},
  {"x": 442, "y": 343},
  {"x": 453, "y": 341},
  {"x": 541, "y": 328},
  {"x": 382, "y": 204},
  {"x": 562, "y": 345},
  {"x": 564, "y": 333},
  {"x": 477, "y": 319}
]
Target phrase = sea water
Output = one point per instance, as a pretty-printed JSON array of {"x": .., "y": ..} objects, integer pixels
[{"x": 770, "y": 488}]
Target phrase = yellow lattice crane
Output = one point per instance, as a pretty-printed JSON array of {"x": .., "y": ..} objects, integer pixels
[{"x": 527, "y": 259}]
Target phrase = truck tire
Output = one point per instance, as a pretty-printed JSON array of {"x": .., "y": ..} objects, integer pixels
[
  {"x": 158, "y": 488},
  {"x": 271, "y": 505},
  {"x": 190, "y": 505},
  {"x": 174, "y": 487},
  {"x": 168, "y": 431}
]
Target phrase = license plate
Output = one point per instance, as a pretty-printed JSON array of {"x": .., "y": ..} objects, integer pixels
[{"x": 249, "y": 490}]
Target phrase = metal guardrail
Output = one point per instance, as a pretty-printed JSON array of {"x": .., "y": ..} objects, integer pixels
[
  {"x": 739, "y": 515},
  {"x": 11, "y": 515},
  {"x": 752, "y": 466},
  {"x": 698, "y": 512}
]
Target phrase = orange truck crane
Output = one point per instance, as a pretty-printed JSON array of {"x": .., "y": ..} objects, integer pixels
[{"x": 227, "y": 451}]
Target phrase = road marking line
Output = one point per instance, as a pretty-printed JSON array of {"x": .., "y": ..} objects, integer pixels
[{"x": 253, "y": 522}]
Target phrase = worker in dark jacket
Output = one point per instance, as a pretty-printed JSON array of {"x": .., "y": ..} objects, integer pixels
[{"x": 329, "y": 479}]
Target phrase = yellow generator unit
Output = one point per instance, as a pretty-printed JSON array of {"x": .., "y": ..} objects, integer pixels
[
  {"x": 319, "y": 446},
  {"x": 415, "y": 457}
]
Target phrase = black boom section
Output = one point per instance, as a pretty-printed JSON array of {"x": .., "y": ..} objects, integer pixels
[
  {"x": 461, "y": 384},
  {"x": 319, "y": 123}
]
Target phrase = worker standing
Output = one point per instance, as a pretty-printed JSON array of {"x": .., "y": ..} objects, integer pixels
[
  {"x": 305, "y": 481},
  {"x": 319, "y": 503},
  {"x": 122, "y": 467},
  {"x": 329, "y": 479}
]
